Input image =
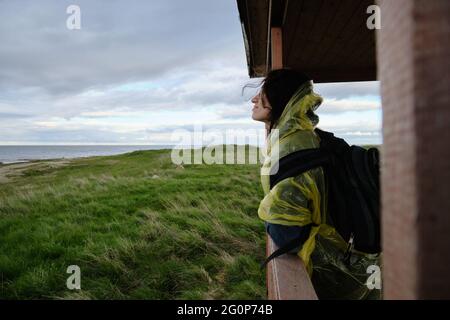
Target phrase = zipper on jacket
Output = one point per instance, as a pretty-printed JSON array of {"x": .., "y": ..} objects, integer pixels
[{"x": 348, "y": 252}]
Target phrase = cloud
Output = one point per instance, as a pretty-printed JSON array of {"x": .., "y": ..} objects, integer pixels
[
  {"x": 199, "y": 85},
  {"x": 135, "y": 72},
  {"x": 344, "y": 105},
  {"x": 344, "y": 90},
  {"x": 9, "y": 116},
  {"x": 118, "y": 43}
]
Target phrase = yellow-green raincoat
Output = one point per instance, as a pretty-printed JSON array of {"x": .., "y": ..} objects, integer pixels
[{"x": 300, "y": 200}]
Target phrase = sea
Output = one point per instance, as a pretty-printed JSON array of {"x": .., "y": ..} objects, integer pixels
[{"x": 13, "y": 154}]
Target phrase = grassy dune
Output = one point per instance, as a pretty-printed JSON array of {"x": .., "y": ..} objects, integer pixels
[{"x": 136, "y": 225}]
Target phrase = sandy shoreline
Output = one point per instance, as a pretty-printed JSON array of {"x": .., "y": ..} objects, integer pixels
[{"x": 8, "y": 171}]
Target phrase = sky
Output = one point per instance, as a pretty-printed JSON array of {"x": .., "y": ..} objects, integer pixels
[{"x": 138, "y": 71}]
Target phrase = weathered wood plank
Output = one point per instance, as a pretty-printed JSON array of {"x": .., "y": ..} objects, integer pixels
[{"x": 287, "y": 278}]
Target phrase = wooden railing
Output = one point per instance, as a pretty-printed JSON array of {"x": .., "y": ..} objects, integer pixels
[{"x": 287, "y": 278}]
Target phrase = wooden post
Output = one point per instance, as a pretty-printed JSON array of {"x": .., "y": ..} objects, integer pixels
[
  {"x": 276, "y": 48},
  {"x": 413, "y": 52}
]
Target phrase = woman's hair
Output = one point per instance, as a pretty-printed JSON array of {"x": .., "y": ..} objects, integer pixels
[{"x": 279, "y": 86}]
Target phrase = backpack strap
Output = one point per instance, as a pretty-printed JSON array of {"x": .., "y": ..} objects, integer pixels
[
  {"x": 298, "y": 162},
  {"x": 304, "y": 160}
]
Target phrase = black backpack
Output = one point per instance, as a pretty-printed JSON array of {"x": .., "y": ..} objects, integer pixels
[{"x": 352, "y": 181}]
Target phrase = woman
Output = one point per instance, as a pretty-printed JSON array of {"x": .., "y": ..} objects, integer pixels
[{"x": 296, "y": 207}]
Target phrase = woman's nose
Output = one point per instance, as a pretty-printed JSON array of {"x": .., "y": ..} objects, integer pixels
[{"x": 255, "y": 98}]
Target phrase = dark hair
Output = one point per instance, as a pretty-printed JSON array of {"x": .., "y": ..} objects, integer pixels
[{"x": 279, "y": 86}]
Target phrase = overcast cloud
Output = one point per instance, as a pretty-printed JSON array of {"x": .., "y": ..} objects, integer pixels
[{"x": 137, "y": 70}]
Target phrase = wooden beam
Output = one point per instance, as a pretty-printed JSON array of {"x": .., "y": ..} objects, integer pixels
[
  {"x": 287, "y": 278},
  {"x": 276, "y": 48},
  {"x": 254, "y": 19}
]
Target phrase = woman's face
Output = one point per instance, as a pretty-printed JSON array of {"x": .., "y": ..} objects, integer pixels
[{"x": 261, "y": 110}]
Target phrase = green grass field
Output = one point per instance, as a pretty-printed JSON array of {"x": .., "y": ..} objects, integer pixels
[{"x": 136, "y": 225}]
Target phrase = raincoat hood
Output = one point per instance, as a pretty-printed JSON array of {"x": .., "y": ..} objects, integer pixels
[
  {"x": 294, "y": 116},
  {"x": 293, "y": 131}
]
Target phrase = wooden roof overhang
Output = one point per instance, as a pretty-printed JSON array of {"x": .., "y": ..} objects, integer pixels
[{"x": 327, "y": 39}]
